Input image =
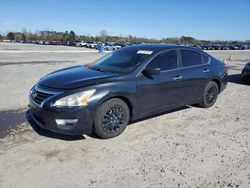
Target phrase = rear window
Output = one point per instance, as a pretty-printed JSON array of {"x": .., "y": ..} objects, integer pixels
[{"x": 190, "y": 58}]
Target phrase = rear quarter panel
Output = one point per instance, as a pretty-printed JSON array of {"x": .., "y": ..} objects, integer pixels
[{"x": 219, "y": 72}]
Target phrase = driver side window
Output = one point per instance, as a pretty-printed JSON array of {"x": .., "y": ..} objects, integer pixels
[{"x": 164, "y": 61}]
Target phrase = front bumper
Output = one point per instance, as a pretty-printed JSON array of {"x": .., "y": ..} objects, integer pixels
[{"x": 45, "y": 118}]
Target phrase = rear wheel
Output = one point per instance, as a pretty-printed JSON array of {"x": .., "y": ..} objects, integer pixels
[
  {"x": 210, "y": 95},
  {"x": 111, "y": 118}
]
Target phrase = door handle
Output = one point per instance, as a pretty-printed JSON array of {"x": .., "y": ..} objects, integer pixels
[
  {"x": 177, "y": 78},
  {"x": 206, "y": 70}
]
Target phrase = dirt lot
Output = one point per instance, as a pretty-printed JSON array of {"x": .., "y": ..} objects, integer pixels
[{"x": 190, "y": 147}]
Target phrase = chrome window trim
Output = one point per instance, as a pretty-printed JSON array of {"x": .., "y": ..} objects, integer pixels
[
  {"x": 179, "y": 61},
  {"x": 194, "y": 66},
  {"x": 180, "y": 68}
]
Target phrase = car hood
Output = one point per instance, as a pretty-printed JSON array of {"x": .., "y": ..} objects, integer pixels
[{"x": 75, "y": 77}]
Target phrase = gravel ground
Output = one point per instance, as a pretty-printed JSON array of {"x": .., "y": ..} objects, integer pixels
[
  {"x": 20, "y": 70},
  {"x": 190, "y": 147}
]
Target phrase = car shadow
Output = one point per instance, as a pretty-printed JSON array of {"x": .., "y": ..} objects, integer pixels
[
  {"x": 93, "y": 135},
  {"x": 46, "y": 133},
  {"x": 236, "y": 78},
  {"x": 160, "y": 114},
  {"x": 50, "y": 134}
]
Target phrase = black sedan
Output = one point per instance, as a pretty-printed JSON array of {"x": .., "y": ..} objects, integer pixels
[
  {"x": 126, "y": 85},
  {"x": 245, "y": 75}
]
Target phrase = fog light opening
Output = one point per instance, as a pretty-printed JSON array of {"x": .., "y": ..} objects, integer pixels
[{"x": 66, "y": 123}]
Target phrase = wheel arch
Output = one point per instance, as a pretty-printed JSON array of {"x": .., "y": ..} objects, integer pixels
[
  {"x": 217, "y": 81},
  {"x": 126, "y": 99}
]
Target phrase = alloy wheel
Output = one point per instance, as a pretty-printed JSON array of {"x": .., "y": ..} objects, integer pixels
[
  {"x": 211, "y": 95},
  {"x": 114, "y": 119}
]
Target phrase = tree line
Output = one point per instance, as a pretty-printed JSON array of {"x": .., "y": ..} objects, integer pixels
[{"x": 70, "y": 36}]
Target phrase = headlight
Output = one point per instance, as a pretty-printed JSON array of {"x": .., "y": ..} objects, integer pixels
[
  {"x": 77, "y": 99},
  {"x": 31, "y": 90}
]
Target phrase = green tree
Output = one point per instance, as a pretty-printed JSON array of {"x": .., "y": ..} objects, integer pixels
[
  {"x": 72, "y": 36},
  {"x": 10, "y": 36},
  {"x": 65, "y": 36},
  {"x": 188, "y": 40}
]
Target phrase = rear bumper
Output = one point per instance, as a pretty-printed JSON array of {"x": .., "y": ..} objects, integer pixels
[
  {"x": 223, "y": 83},
  {"x": 46, "y": 118},
  {"x": 245, "y": 74}
]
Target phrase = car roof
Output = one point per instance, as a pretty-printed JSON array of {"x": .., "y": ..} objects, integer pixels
[{"x": 157, "y": 47}]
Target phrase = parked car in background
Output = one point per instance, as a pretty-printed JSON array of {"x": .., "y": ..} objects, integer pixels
[
  {"x": 245, "y": 75},
  {"x": 204, "y": 47},
  {"x": 217, "y": 47},
  {"x": 234, "y": 47},
  {"x": 71, "y": 43},
  {"x": 225, "y": 47},
  {"x": 244, "y": 47},
  {"x": 91, "y": 45},
  {"x": 197, "y": 46},
  {"x": 210, "y": 47},
  {"x": 126, "y": 85},
  {"x": 111, "y": 46},
  {"x": 81, "y": 44},
  {"x": 41, "y": 42},
  {"x": 121, "y": 44},
  {"x": 117, "y": 46},
  {"x": 108, "y": 47}
]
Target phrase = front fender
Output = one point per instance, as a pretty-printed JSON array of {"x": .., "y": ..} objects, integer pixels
[{"x": 125, "y": 91}]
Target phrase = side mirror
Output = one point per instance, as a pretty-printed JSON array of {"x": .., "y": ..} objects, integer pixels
[{"x": 152, "y": 71}]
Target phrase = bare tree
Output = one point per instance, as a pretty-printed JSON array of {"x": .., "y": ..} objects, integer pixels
[
  {"x": 24, "y": 34},
  {"x": 103, "y": 35}
]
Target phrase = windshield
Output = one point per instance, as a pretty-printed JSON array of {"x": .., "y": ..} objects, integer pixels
[{"x": 121, "y": 61}]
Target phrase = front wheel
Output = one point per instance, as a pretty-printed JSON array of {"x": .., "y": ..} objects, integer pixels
[
  {"x": 210, "y": 95},
  {"x": 111, "y": 118}
]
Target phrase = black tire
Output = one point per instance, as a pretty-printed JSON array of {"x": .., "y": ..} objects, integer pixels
[
  {"x": 111, "y": 118},
  {"x": 209, "y": 95}
]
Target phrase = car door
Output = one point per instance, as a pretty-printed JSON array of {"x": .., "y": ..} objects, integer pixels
[
  {"x": 159, "y": 92},
  {"x": 195, "y": 74}
]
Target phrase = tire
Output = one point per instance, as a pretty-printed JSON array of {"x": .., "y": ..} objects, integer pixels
[
  {"x": 111, "y": 118},
  {"x": 209, "y": 95}
]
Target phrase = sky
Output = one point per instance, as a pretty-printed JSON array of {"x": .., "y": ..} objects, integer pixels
[{"x": 201, "y": 19}]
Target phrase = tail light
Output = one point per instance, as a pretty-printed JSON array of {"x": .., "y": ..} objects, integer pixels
[{"x": 225, "y": 68}]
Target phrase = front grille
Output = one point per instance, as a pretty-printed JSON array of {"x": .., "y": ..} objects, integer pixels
[{"x": 39, "y": 96}]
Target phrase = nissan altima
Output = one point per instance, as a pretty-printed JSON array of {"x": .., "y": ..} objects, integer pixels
[{"x": 127, "y": 85}]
